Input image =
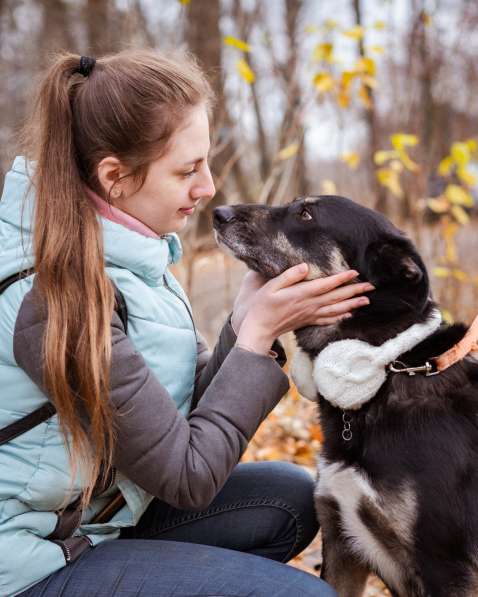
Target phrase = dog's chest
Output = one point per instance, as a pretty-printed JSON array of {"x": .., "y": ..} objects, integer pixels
[{"x": 366, "y": 516}]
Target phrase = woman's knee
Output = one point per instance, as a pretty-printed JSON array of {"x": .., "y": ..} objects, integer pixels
[{"x": 287, "y": 486}]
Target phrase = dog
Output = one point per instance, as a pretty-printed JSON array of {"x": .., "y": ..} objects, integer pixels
[{"x": 397, "y": 489}]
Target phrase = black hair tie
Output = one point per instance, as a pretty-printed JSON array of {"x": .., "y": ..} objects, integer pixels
[{"x": 86, "y": 65}]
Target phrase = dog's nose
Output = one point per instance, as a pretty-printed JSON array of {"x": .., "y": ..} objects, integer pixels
[{"x": 223, "y": 214}]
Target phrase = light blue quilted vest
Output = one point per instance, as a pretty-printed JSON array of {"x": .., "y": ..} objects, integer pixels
[{"x": 34, "y": 469}]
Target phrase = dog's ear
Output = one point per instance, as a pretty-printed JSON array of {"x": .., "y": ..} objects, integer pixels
[{"x": 392, "y": 261}]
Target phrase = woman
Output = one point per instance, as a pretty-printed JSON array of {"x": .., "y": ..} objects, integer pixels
[{"x": 117, "y": 153}]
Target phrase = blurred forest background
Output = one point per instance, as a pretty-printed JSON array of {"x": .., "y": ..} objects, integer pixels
[{"x": 373, "y": 99}]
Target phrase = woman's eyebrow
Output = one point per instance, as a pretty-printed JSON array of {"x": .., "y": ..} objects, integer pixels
[{"x": 195, "y": 161}]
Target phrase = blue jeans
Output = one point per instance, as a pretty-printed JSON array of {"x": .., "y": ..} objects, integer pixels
[{"x": 264, "y": 509}]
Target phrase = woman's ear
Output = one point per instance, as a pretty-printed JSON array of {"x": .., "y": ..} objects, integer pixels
[
  {"x": 110, "y": 170},
  {"x": 392, "y": 261}
]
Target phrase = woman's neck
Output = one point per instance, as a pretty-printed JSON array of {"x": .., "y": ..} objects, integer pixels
[{"x": 114, "y": 214}]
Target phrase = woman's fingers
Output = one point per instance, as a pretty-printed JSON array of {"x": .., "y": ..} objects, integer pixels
[
  {"x": 331, "y": 320},
  {"x": 290, "y": 276},
  {"x": 342, "y": 307},
  {"x": 343, "y": 293},
  {"x": 322, "y": 285}
]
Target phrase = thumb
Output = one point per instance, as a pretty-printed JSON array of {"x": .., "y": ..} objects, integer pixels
[{"x": 291, "y": 276}]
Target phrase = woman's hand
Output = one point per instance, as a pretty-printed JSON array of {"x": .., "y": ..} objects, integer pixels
[{"x": 288, "y": 303}]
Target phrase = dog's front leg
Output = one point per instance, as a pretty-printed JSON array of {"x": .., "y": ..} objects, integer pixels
[{"x": 340, "y": 567}]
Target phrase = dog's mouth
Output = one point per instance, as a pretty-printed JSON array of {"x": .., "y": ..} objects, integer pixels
[
  {"x": 252, "y": 235},
  {"x": 248, "y": 255}
]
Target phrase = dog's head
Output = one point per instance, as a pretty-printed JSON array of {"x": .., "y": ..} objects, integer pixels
[{"x": 331, "y": 234}]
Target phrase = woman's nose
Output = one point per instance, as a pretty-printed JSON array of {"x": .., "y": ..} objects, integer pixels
[{"x": 205, "y": 189}]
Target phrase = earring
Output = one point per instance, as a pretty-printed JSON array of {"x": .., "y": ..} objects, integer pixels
[{"x": 116, "y": 192}]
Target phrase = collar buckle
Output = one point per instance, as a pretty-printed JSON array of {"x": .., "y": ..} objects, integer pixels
[{"x": 398, "y": 367}]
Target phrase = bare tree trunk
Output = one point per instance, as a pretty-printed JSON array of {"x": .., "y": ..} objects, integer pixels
[
  {"x": 204, "y": 40},
  {"x": 288, "y": 178},
  {"x": 104, "y": 27},
  {"x": 55, "y": 32},
  {"x": 245, "y": 21},
  {"x": 370, "y": 117}
]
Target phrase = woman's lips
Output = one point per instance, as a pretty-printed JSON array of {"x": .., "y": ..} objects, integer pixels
[{"x": 187, "y": 210}]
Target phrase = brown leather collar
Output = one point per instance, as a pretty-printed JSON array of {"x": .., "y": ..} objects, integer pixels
[
  {"x": 436, "y": 365},
  {"x": 467, "y": 344}
]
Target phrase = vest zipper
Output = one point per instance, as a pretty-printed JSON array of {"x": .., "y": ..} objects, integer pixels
[
  {"x": 168, "y": 287},
  {"x": 66, "y": 550}
]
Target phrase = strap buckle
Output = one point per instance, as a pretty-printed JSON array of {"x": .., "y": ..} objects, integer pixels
[{"x": 398, "y": 367}]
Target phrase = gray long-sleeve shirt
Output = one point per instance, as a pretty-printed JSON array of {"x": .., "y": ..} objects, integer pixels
[{"x": 183, "y": 461}]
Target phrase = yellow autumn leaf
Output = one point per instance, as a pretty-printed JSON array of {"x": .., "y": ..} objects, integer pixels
[
  {"x": 396, "y": 166},
  {"x": 441, "y": 272},
  {"x": 324, "y": 52},
  {"x": 447, "y": 316},
  {"x": 458, "y": 196},
  {"x": 356, "y": 32},
  {"x": 379, "y": 25},
  {"x": 472, "y": 145},
  {"x": 460, "y": 275},
  {"x": 311, "y": 29},
  {"x": 445, "y": 166},
  {"x": 328, "y": 187},
  {"x": 351, "y": 158},
  {"x": 343, "y": 99},
  {"x": 466, "y": 176},
  {"x": 330, "y": 24},
  {"x": 376, "y": 49},
  {"x": 389, "y": 179},
  {"x": 229, "y": 40},
  {"x": 460, "y": 152},
  {"x": 364, "y": 96},
  {"x": 287, "y": 152},
  {"x": 184, "y": 1},
  {"x": 439, "y": 205},
  {"x": 426, "y": 19},
  {"x": 369, "y": 81},
  {"x": 382, "y": 156},
  {"x": 245, "y": 71},
  {"x": 460, "y": 214},
  {"x": 402, "y": 140},
  {"x": 407, "y": 161},
  {"x": 347, "y": 77},
  {"x": 449, "y": 231},
  {"x": 366, "y": 65},
  {"x": 324, "y": 81}
]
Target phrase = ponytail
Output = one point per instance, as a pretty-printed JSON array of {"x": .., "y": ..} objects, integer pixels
[{"x": 71, "y": 277}]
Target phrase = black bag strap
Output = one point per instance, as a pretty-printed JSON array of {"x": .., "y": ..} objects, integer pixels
[{"x": 47, "y": 410}]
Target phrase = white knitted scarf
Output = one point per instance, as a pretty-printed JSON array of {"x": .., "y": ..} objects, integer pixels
[{"x": 349, "y": 373}]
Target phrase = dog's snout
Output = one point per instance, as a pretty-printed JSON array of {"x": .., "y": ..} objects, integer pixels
[{"x": 223, "y": 214}]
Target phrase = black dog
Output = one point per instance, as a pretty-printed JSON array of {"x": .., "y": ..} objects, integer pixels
[{"x": 397, "y": 492}]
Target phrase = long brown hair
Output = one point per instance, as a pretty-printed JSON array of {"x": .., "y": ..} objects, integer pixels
[{"x": 128, "y": 107}]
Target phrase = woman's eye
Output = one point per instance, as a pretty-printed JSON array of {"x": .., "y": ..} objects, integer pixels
[
  {"x": 305, "y": 215},
  {"x": 186, "y": 174}
]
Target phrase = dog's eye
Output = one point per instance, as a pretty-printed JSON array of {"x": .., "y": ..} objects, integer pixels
[{"x": 304, "y": 214}]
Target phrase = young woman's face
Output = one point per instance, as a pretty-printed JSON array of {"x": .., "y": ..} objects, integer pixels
[{"x": 177, "y": 181}]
